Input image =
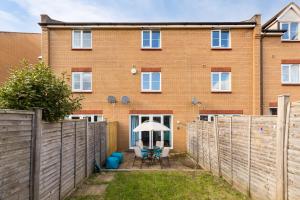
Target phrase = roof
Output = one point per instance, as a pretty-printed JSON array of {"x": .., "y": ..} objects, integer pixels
[
  {"x": 46, "y": 21},
  {"x": 278, "y": 14}
]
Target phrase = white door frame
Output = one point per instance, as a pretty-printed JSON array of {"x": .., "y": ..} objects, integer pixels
[{"x": 150, "y": 116}]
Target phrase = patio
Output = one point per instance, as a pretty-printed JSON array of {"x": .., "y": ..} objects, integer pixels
[{"x": 177, "y": 161}]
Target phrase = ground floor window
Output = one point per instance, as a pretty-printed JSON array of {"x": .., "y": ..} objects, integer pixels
[
  {"x": 211, "y": 117},
  {"x": 273, "y": 111},
  {"x": 90, "y": 117},
  {"x": 150, "y": 139}
]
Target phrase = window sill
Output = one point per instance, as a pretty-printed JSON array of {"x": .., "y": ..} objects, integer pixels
[
  {"x": 290, "y": 41},
  {"x": 82, "y": 49},
  {"x": 151, "y": 49},
  {"x": 219, "y": 92},
  {"x": 88, "y": 92},
  {"x": 151, "y": 92},
  {"x": 221, "y": 48},
  {"x": 290, "y": 84}
]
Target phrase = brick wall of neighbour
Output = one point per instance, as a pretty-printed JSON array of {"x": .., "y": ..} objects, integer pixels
[
  {"x": 185, "y": 61},
  {"x": 274, "y": 52},
  {"x": 16, "y": 47}
]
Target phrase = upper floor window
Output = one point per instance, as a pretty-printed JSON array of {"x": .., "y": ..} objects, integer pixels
[
  {"x": 221, "y": 81},
  {"x": 82, "y": 39},
  {"x": 291, "y": 31},
  {"x": 220, "y": 39},
  {"x": 151, "y": 82},
  {"x": 81, "y": 81},
  {"x": 290, "y": 73},
  {"x": 151, "y": 39}
]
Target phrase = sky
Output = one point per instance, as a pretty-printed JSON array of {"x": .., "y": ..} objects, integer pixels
[{"x": 24, "y": 15}]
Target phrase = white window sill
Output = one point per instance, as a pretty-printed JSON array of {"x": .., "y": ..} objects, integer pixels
[
  {"x": 290, "y": 40},
  {"x": 221, "y": 91},
  {"x": 82, "y": 91},
  {"x": 77, "y": 48},
  {"x": 151, "y": 91},
  {"x": 221, "y": 48}
]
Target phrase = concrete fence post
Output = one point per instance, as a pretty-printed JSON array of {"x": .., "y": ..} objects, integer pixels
[
  {"x": 36, "y": 153},
  {"x": 283, "y": 101}
]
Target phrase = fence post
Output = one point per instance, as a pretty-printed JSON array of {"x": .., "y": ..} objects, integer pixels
[
  {"x": 61, "y": 160},
  {"x": 86, "y": 147},
  {"x": 285, "y": 157},
  {"x": 249, "y": 154},
  {"x": 216, "y": 133},
  {"x": 283, "y": 101},
  {"x": 230, "y": 145},
  {"x": 36, "y": 153},
  {"x": 75, "y": 149}
]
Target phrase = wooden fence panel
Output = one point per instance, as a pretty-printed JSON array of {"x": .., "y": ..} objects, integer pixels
[
  {"x": 293, "y": 149},
  {"x": 15, "y": 154},
  {"x": 68, "y": 158},
  {"x": 80, "y": 151},
  {"x": 263, "y": 158},
  {"x": 50, "y": 161}
]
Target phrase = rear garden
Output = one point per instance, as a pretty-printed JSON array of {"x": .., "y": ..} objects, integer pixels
[{"x": 161, "y": 184}]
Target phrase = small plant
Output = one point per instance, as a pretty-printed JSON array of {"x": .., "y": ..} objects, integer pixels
[{"x": 37, "y": 86}]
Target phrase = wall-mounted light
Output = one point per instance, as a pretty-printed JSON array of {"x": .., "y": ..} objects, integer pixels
[{"x": 133, "y": 70}]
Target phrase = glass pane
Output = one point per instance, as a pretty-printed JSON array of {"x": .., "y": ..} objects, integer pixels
[
  {"x": 77, "y": 39},
  {"x": 155, "y": 39},
  {"x": 87, "y": 82},
  {"x": 225, "y": 85},
  {"x": 216, "y": 38},
  {"x": 156, "y": 137},
  {"x": 157, "y": 119},
  {"x": 155, "y": 35},
  {"x": 294, "y": 31},
  {"x": 155, "y": 44},
  {"x": 225, "y": 39},
  {"x": 87, "y": 39},
  {"x": 285, "y": 36},
  {"x": 146, "y": 38},
  {"x": 215, "y": 81},
  {"x": 167, "y": 134},
  {"x": 295, "y": 74},
  {"x": 146, "y": 81},
  {"x": 156, "y": 76},
  {"x": 134, "y": 135},
  {"x": 285, "y": 73},
  {"x": 76, "y": 81},
  {"x": 146, "y": 138}
]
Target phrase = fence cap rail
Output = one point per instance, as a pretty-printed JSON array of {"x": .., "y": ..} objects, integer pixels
[{"x": 12, "y": 111}]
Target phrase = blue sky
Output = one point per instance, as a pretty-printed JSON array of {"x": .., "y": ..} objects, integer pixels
[{"x": 23, "y": 15}]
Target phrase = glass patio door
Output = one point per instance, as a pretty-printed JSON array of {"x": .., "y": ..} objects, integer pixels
[{"x": 150, "y": 139}]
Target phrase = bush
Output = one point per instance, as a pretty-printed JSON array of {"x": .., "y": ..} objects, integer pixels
[{"x": 37, "y": 86}]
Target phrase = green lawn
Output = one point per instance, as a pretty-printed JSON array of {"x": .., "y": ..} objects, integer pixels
[{"x": 169, "y": 185}]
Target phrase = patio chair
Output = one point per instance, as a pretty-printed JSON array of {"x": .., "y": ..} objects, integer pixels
[
  {"x": 140, "y": 155},
  {"x": 165, "y": 155}
]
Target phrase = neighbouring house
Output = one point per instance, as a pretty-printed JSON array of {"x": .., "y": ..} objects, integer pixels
[
  {"x": 281, "y": 57},
  {"x": 169, "y": 72},
  {"x": 15, "y": 47}
]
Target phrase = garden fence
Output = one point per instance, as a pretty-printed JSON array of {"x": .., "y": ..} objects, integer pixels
[
  {"x": 258, "y": 155},
  {"x": 40, "y": 160}
]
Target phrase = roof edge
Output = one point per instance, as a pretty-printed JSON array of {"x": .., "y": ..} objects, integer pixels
[{"x": 46, "y": 20}]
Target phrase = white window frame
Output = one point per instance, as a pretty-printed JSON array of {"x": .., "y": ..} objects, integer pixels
[
  {"x": 150, "y": 81},
  {"x": 151, "y": 118},
  {"x": 150, "y": 47},
  {"x": 83, "y": 116},
  {"x": 220, "y": 39},
  {"x": 289, "y": 31},
  {"x": 81, "y": 82},
  {"x": 290, "y": 74},
  {"x": 220, "y": 82},
  {"x": 81, "y": 40},
  {"x": 211, "y": 117}
]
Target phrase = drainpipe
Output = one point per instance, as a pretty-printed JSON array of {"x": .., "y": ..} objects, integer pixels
[{"x": 261, "y": 76}]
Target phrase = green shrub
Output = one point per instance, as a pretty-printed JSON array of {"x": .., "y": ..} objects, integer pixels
[{"x": 37, "y": 86}]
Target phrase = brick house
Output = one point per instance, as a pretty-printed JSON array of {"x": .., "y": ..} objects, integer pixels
[
  {"x": 170, "y": 72},
  {"x": 15, "y": 47}
]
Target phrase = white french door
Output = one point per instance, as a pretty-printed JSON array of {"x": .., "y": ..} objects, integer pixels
[{"x": 149, "y": 139}]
